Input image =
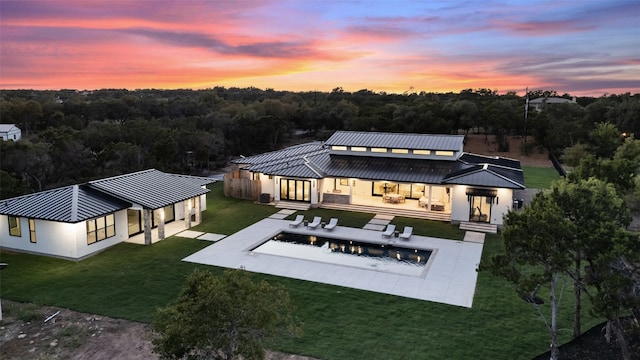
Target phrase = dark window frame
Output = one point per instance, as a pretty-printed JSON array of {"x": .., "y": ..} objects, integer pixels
[
  {"x": 12, "y": 229},
  {"x": 99, "y": 230}
]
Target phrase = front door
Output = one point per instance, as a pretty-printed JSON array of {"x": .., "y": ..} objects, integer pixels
[
  {"x": 480, "y": 208},
  {"x": 295, "y": 190}
]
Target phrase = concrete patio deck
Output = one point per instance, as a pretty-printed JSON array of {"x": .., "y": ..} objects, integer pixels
[{"x": 449, "y": 277}]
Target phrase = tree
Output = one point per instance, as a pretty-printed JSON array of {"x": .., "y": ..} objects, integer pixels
[
  {"x": 536, "y": 241},
  {"x": 597, "y": 213},
  {"x": 222, "y": 317}
]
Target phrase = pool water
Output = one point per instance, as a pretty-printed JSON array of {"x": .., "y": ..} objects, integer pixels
[{"x": 370, "y": 256}]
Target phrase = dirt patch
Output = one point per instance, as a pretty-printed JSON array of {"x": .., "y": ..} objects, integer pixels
[
  {"x": 67, "y": 334},
  {"x": 486, "y": 145}
]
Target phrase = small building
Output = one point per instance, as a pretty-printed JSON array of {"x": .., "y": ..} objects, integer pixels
[
  {"x": 420, "y": 175},
  {"x": 538, "y": 104},
  {"x": 77, "y": 221},
  {"x": 10, "y": 132}
]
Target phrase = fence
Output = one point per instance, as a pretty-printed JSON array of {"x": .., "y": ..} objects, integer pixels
[{"x": 242, "y": 188}]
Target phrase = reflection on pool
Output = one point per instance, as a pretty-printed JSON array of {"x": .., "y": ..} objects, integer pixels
[{"x": 380, "y": 257}]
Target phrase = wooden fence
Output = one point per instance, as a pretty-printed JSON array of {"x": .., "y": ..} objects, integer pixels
[{"x": 242, "y": 188}]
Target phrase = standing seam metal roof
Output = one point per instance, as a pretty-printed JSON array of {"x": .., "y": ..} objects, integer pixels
[
  {"x": 152, "y": 189},
  {"x": 397, "y": 140},
  {"x": 70, "y": 204}
]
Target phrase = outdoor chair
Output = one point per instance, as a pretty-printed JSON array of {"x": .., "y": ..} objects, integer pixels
[
  {"x": 332, "y": 224},
  {"x": 299, "y": 219},
  {"x": 316, "y": 221},
  {"x": 389, "y": 231},
  {"x": 406, "y": 234}
]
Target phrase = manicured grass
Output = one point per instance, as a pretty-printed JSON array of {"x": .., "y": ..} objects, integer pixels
[
  {"x": 131, "y": 281},
  {"x": 539, "y": 177}
]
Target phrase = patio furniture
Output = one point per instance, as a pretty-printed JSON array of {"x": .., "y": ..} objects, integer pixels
[
  {"x": 316, "y": 221},
  {"x": 299, "y": 219},
  {"x": 394, "y": 198},
  {"x": 389, "y": 231},
  {"x": 406, "y": 234},
  {"x": 332, "y": 224}
]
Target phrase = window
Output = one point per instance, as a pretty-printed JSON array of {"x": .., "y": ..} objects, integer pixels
[
  {"x": 422, "y": 152},
  {"x": 14, "y": 226},
  {"x": 337, "y": 147},
  {"x": 444, "y": 153},
  {"x": 101, "y": 228},
  {"x": 400, "y": 151},
  {"x": 379, "y": 150},
  {"x": 32, "y": 230},
  {"x": 358, "y": 148}
]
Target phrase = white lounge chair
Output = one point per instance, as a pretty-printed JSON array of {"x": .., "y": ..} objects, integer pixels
[
  {"x": 316, "y": 221},
  {"x": 332, "y": 224},
  {"x": 299, "y": 219},
  {"x": 389, "y": 231},
  {"x": 406, "y": 234}
]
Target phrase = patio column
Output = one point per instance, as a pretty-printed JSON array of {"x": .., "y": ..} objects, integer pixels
[
  {"x": 160, "y": 221},
  {"x": 429, "y": 199},
  {"x": 146, "y": 214},
  {"x": 197, "y": 210},
  {"x": 187, "y": 213}
]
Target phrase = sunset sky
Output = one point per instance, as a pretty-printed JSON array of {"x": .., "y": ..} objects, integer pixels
[{"x": 581, "y": 47}]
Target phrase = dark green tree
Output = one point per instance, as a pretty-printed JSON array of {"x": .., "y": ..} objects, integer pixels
[
  {"x": 537, "y": 241},
  {"x": 223, "y": 317}
]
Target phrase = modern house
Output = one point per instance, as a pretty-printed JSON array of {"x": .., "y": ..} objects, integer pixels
[
  {"x": 10, "y": 132},
  {"x": 429, "y": 176},
  {"x": 79, "y": 220}
]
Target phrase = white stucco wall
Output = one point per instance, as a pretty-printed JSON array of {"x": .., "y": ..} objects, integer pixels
[{"x": 60, "y": 239}]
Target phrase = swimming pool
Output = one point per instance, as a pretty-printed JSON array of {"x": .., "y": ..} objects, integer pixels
[{"x": 380, "y": 257}]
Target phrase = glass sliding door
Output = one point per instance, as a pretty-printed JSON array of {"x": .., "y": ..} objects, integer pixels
[
  {"x": 295, "y": 190},
  {"x": 480, "y": 208}
]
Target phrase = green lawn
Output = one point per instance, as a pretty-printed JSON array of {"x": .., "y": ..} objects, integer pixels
[
  {"x": 131, "y": 281},
  {"x": 539, "y": 177}
]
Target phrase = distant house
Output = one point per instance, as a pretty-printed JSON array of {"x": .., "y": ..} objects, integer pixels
[
  {"x": 79, "y": 220},
  {"x": 10, "y": 132},
  {"x": 419, "y": 175},
  {"x": 539, "y": 103}
]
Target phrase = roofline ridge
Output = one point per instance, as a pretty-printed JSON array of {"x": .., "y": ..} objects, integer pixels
[
  {"x": 393, "y": 133},
  {"x": 35, "y": 193},
  {"x": 487, "y": 156},
  {"x": 74, "y": 204},
  {"x": 123, "y": 175}
]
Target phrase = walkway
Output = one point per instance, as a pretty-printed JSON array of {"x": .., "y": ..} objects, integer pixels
[{"x": 449, "y": 277}]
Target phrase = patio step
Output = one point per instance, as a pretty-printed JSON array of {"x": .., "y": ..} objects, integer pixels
[
  {"x": 479, "y": 227},
  {"x": 293, "y": 205},
  {"x": 416, "y": 214}
]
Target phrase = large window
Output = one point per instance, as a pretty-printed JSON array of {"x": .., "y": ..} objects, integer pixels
[
  {"x": 295, "y": 190},
  {"x": 101, "y": 228},
  {"x": 14, "y": 226},
  {"x": 32, "y": 230}
]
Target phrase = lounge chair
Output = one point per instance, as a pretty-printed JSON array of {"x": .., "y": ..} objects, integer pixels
[
  {"x": 316, "y": 221},
  {"x": 406, "y": 234},
  {"x": 389, "y": 231},
  {"x": 331, "y": 225},
  {"x": 299, "y": 219}
]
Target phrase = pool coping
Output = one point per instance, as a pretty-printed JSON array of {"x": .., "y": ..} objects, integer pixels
[{"x": 450, "y": 278}]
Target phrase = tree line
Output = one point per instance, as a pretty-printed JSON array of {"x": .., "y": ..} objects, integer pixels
[{"x": 72, "y": 136}]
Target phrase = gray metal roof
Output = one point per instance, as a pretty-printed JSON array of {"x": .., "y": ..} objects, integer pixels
[
  {"x": 397, "y": 140},
  {"x": 70, "y": 204},
  {"x": 390, "y": 169},
  {"x": 152, "y": 189},
  {"x": 493, "y": 160},
  {"x": 296, "y": 151},
  {"x": 315, "y": 161},
  {"x": 487, "y": 176}
]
